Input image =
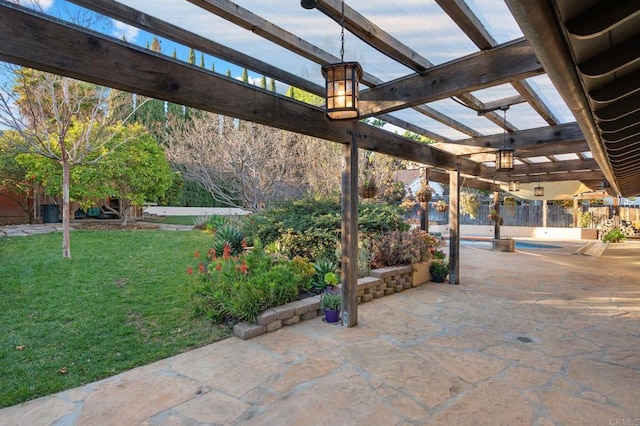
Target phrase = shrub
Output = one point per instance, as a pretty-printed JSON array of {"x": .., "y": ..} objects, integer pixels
[
  {"x": 585, "y": 219},
  {"x": 311, "y": 227},
  {"x": 239, "y": 288},
  {"x": 215, "y": 221},
  {"x": 403, "y": 248},
  {"x": 228, "y": 234},
  {"x": 376, "y": 218},
  {"x": 365, "y": 256},
  {"x": 439, "y": 269},
  {"x": 323, "y": 267},
  {"x": 614, "y": 236},
  {"x": 315, "y": 243},
  {"x": 439, "y": 255}
]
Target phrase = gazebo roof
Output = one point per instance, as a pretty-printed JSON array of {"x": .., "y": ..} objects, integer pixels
[{"x": 567, "y": 69}]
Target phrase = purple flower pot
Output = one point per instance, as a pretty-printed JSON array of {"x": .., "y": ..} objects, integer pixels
[{"x": 331, "y": 315}]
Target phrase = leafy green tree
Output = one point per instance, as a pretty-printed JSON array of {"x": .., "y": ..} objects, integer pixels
[
  {"x": 134, "y": 172},
  {"x": 245, "y": 76},
  {"x": 62, "y": 119},
  {"x": 416, "y": 137},
  {"x": 304, "y": 96},
  {"x": 15, "y": 184}
]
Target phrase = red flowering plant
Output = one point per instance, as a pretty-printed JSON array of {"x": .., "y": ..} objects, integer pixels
[
  {"x": 241, "y": 287},
  {"x": 200, "y": 267}
]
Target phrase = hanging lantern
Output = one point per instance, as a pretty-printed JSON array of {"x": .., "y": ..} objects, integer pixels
[
  {"x": 342, "y": 87},
  {"x": 514, "y": 185},
  {"x": 504, "y": 159},
  {"x": 504, "y": 156},
  {"x": 538, "y": 191}
]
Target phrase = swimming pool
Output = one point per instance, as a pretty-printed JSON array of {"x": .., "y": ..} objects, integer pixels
[
  {"x": 527, "y": 245},
  {"x": 522, "y": 245}
]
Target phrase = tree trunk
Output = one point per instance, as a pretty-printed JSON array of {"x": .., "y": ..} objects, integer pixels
[
  {"x": 66, "y": 237},
  {"x": 124, "y": 211}
]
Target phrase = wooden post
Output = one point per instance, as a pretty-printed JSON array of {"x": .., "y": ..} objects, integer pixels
[
  {"x": 616, "y": 212},
  {"x": 575, "y": 212},
  {"x": 424, "y": 217},
  {"x": 496, "y": 207},
  {"x": 545, "y": 214},
  {"x": 350, "y": 231},
  {"x": 454, "y": 227}
]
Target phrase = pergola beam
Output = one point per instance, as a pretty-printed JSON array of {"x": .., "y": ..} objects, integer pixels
[
  {"x": 508, "y": 62},
  {"x": 529, "y": 138},
  {"x": 561, "y": 177},
  {"x": 468, "y": 181},
  {"x": 376, "y": 37},
  {"x": 549, "y": 167},
  {"x": 269, "y": 31},
  {"x": 373, "y": 35},
  {"x": 550, "y": 150},
  {"x": 85, "y": 55},
  {"x": 469, "y": 23},
  {"x": 161, "y": 28}
]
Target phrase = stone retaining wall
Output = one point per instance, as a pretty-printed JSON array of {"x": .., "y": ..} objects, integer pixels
[{"x": 381, "y": 282}]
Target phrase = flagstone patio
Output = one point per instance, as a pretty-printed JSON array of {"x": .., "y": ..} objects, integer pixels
[{"x": 536, "y": 337}]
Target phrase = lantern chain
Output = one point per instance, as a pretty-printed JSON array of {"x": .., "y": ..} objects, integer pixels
[{"x": 342, "y": 33}]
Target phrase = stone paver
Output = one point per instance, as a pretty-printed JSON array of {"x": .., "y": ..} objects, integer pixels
[{"x": 435, "y": 354}]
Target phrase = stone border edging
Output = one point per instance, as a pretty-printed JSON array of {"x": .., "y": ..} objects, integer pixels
[{"x": 381, "y": 282}]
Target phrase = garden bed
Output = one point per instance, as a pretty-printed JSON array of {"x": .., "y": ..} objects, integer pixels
[{"x": 381, "y": 282}]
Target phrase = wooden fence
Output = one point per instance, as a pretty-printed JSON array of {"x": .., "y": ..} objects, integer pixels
[{"x": 531, "y": 215}]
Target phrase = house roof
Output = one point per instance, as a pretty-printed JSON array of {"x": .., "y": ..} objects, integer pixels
[
  {"x": 408, "y": 176},
  {"x": 567, "y": 70}
]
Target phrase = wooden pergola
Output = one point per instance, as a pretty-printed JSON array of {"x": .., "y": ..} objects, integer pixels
[{"x": 590, "y": 51}]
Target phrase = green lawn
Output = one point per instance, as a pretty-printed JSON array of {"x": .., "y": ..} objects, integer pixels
[
  {"x": 123, "y": 300},
  {"x": 173, "y": 220}
]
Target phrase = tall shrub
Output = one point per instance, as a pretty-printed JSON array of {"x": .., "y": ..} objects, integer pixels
[{"x": 311, "y": 227}]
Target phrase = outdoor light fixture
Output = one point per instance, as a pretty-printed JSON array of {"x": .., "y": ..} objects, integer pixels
[
  {"x": 342, "y": 81},
  {"x": 514, "y": 185},
  {"x": 538, "y": 191},
  {"x": 504, "y": 156}
]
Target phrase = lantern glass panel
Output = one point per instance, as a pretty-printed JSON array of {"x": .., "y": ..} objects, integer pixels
[
  {"x": 504, "y": 159},
  {"x": 342, "y": 82}
]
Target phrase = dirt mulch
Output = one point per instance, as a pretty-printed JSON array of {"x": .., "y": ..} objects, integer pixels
[{"x": 110, "y": 225}]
